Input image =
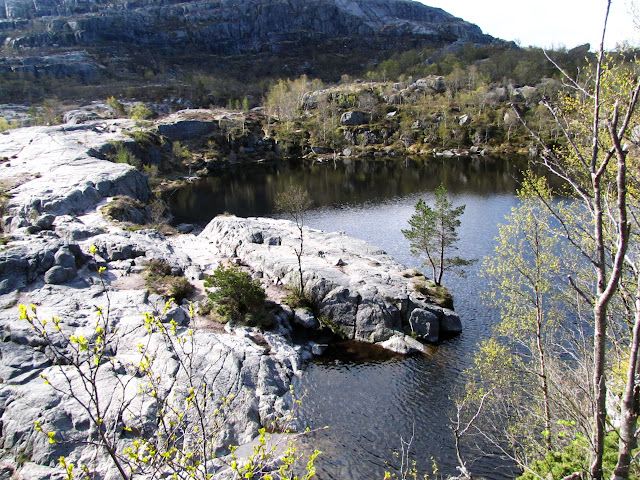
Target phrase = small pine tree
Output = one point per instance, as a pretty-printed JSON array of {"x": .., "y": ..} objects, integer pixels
[{"x": 433, "y": 234}]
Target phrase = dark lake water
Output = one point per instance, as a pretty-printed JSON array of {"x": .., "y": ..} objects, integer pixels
[{"x": 370, "y": 405}]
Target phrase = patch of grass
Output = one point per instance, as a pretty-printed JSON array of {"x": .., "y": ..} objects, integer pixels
[
  {"x": 297, "y": 299},
  {"x": 126, "y": 209},
  {"x": 436, "y": 294},
  {"x": 142, "y": 137},
  {"x": 153, "y": 175},
  {"x": 326, "y": 322}
]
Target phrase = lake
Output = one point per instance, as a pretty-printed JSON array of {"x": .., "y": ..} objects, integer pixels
[{"x": 370, "y": 405}]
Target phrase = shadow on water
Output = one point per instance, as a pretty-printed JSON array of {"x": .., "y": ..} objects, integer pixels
[
  {"x": 252, "y": 190},
  {"x": 372, "y": 400}
]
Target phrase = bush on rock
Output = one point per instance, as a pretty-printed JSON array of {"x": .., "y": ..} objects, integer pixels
[{"x": 236, "y": 296}]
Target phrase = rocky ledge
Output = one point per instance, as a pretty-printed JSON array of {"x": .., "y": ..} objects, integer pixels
[
  {"x": 358, "y": 291},
  {"x": 57, "y": 185}
]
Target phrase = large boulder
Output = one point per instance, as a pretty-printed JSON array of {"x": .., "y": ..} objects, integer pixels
[
  {"x": 354, "y": 118},
  {"x": 433, "y": 82},
  {"x": 58, "y": 174},
  {"x": 188, "y": 125}
]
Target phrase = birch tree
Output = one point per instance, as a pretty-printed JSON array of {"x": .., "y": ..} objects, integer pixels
[{"x": 596, "y": 122}]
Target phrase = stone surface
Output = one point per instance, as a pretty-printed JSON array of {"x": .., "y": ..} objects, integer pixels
[
  {"x": 305, "y": 318},
  {"x": 63, "y": 178},
  {"x": 433, "y": 82},
  {"x": 403, "y": 344},
  {"x": 49, "y": 269},
  {"x": 226, "y": 27},
  {"x": 366, "y": 296},
  {"x": 353, "y": 118},
  {"x": 424, "y": 324},
  {"x": 360, "y": 292}
]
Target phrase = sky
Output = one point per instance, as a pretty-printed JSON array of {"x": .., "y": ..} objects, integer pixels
[{"x": 548, "y": 23}]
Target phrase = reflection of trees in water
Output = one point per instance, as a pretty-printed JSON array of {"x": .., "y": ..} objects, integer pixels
[{"x": 251, "y": 190}]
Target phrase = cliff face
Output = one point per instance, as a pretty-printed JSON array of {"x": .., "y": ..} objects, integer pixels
[{"x": 228, "y": 26}]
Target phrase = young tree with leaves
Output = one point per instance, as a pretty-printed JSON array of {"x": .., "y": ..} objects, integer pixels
[
  {"x": 597, "y": 121},
  {"x": 529, "y": 375},
  {"x": 294, "y": 203},
  {"x": 433, "y": 234}
]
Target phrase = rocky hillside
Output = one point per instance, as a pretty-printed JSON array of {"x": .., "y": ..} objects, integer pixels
[
  {"x": 156, "y": 43},
  {"x": 227, "y": 26}
]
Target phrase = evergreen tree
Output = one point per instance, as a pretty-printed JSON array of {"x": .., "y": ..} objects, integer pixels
[{"x": 433, "y": 234}]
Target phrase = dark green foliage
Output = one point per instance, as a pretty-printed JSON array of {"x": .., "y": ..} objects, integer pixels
[
  {"x": 124, "y": 155},
  {"x": 573, "y": 458},
  {"x": 160, "y": 280},
  {"x": 433, "y": 234},
  {"x": 236, "y": 295}
]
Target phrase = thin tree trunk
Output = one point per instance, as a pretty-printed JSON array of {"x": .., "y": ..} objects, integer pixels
[
  {"x": 544, "y": 384},
  {"x": 543, "y": 381},
  {"x": 629, "y": 406},
  {"x": 442, "y": 246}
]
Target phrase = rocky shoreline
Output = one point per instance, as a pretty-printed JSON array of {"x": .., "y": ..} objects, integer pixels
[{"x": 58, "y": 186}]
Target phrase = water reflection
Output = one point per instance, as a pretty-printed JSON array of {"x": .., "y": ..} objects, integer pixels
[{"x": 252, "y": 190}]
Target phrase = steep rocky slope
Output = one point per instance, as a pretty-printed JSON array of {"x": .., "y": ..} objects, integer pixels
[
  {"x": 226, "y": 26},
  {"x": 170, "y": 42}
]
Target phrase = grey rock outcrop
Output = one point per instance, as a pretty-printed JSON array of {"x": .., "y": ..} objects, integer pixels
[
  {"x": 78, "y": 64},
  {"x": 189, "y": 125},
  {"x": 60, "y": 176},
  {"x": 228, "y": 26},
  {"x": 234, "y": 365},
  {"x": 361, "y": 293},
  {"x": 353, "y": 118},
  {"x": 45, "y": 264},
  {"x": 366, "y": 296},
  {"x": 433, "y": 82}
]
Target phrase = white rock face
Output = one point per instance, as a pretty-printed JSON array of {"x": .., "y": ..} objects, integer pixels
[
  {"x": 48, "y": 264},
  {"x": 57, "y": 170}
]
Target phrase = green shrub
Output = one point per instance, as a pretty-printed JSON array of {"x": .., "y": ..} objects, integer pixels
[
  {"x": 6, "y": 125},
  {"x": 123, "y": 208},
  {"x": 158, "y": 268},
  {"x": 159, "y": 280},
  {"x": 575, "y": 458},
  {"x": 116, "y": 106},
  {"x": 141, "y": 112},
  {"x": 236, "y": 295},
  {"x": 124, "y": 155},
  {"x": 142, "y": 137},
  {"x": 153, "y": 175},
  {"x": 298, "y": 299}
]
